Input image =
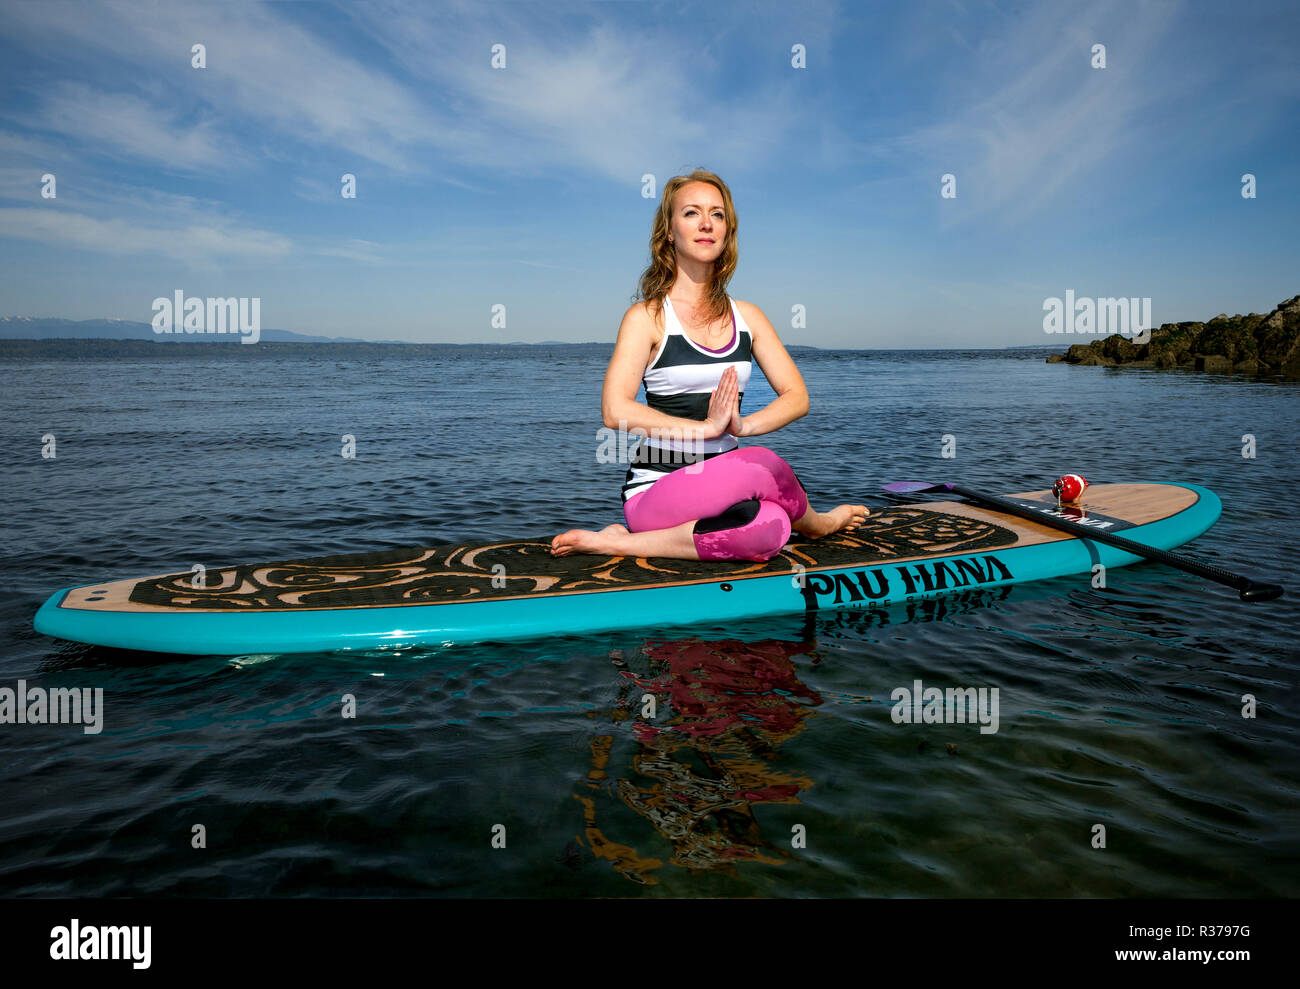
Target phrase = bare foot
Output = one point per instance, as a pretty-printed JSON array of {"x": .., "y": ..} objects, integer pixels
[
  {"x": 587, "y": 541},
  {"x": 844, "y": 518}
]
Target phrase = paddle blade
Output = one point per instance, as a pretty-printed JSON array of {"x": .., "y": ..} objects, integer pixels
[
  {"x": 1262, "y": 592},
  {"x": 913, "y": 487}
]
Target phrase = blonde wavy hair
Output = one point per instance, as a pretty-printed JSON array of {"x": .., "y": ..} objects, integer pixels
[{"x": 658, "y": 278}]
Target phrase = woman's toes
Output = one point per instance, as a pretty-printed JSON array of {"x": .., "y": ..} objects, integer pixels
[
  {"x": 563, "y": 544},
  {"x": 584, "y": 541}
]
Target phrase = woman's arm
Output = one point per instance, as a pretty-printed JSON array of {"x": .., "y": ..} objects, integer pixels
[
  {"x": 618, "y": 405},
  {"x": 791, "y": 400}
]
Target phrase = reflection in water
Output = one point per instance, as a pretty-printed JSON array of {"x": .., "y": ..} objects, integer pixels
[
  {"x": 934, "y": 607},
  {"x": 705, "y": 721},
  {"x": 708, "y": 718}
]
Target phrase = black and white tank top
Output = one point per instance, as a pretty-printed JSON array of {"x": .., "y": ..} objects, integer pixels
[{"x": 678, "y": 383}]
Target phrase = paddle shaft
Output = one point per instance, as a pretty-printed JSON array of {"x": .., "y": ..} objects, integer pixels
[{"x": 1250, "y": 590}]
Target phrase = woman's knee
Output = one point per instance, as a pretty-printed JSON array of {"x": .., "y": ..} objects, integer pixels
[
  {"x": 762, "y": 455},
  {"x": 772, "y": 462},
  {"x": 629, "y": 512},
  {"x": 770, "y": 531},
  {"x": 784, "y": 486},
  {"x": 749, "y": 530},
  {"x": 647, "y": 510}
]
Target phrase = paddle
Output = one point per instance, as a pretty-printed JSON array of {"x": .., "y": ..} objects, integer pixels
[{"x": 1249, "y": 589}]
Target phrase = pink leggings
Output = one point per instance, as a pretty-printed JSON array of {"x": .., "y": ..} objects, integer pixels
[{"x": 743, "y": 500}]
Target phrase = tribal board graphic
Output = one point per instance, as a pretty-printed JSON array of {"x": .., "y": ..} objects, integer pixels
[{"x": 464, "y": 573}]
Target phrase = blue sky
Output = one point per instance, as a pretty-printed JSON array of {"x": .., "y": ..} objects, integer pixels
[{"x": 522, "y": 186}]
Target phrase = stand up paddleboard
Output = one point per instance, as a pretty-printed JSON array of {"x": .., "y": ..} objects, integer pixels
[{"x": 511, "y": 590}]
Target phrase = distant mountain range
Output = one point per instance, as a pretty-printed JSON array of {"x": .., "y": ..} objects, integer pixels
[{"x": 47, "y": 328}]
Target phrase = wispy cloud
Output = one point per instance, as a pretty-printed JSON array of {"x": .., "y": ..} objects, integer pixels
[
  {"x": 474, "y": 180},
  {"x": 1029, "y": 115},
  {"x": 361, "y": 251},
  {"x": 275, "y": 92},
  {"x": 264, "y": 72},
  {"x": 66, "y": 229},
  {"x": 610, "y": 100},
  {"x": 313, "y": 190},
  {"x": 39, "y": 153},
  {"x": 123, "y": 123}
]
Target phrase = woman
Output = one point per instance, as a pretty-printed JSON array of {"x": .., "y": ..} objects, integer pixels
[{"x": 691, "y": 493}]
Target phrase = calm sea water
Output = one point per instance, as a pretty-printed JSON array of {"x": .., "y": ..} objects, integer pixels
[{"x": 773, "y": 767}]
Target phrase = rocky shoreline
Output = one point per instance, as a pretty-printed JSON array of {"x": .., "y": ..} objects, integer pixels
[{"x": 1251, "y": 344}]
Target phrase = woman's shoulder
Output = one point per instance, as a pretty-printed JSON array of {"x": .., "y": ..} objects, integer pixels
[
  {"x": 643, "y": 315},
  {"x": 642, "y": 321},
  {"x": 753, "y": 316}
]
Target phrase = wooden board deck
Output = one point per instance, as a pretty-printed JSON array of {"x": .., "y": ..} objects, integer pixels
[{"x": 525, "y": 569}]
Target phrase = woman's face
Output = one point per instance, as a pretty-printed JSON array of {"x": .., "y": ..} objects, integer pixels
[{"x": 699, "y": 228}]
